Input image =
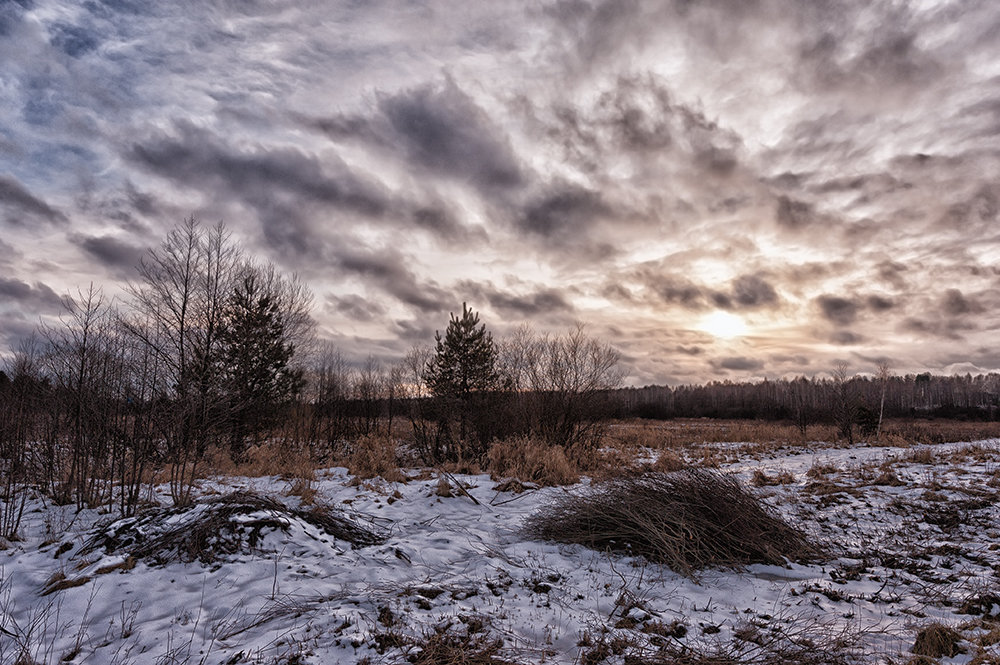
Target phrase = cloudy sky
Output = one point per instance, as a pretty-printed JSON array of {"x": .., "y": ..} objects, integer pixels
[{"x": 720, "y": 188}]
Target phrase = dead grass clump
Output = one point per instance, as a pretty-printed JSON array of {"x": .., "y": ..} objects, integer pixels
[
  {"x": 222, "y": 526},
  {"x": 271, "y": 458},
  {"x": 922, "y": 455},
  {"x": 668, "y": 461},
  {"x": 688, "y": 520},
  {"x": 469, "y": 643},
  {"x": 531, "y": 461},
  {"x": 820, "y": 469},
  {"x": 59, "y": 581},
  {"x": 938, "y": 641},
  {"x": 761, "y": 479},
  {"x": 375, "y": 456}
]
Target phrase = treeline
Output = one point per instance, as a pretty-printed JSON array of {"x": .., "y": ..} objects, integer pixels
[
  {"x": 809, "y": 400},
  {"x": 210, "y": 350}
]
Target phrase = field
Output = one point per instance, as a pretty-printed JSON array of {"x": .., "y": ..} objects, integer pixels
[{"x": 440, "y": 565}]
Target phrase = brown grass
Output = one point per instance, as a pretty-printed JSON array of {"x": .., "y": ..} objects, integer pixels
[
  {"x": 532, "y": 461},
  {"x": 267, "y": 459},
  {"x": 938, "y": 641},
  {"x": 218, "y": 527},
  {"x": 375, "y": 456},
  {"x": 761, "y": 479},
  {"x": 683, "y": 432},
  {"x": 468, "y": 643},
  {"x": 59, "y": 581},
  {"x": 688, "y": 520}
]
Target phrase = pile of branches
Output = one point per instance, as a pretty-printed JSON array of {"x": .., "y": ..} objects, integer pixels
[
  {"x": 217, "y": 527},
  {"x": 688, "y": 520}
]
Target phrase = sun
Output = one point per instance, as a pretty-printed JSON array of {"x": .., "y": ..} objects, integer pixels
[{"x": 723, "y": 325}]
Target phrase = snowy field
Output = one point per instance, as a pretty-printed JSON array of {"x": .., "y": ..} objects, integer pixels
[{"x": 914, "y": 533}]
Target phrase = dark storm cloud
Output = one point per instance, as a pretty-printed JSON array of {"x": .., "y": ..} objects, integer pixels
[
  {"x": 38, "y": 298},
  {"x": 386, "y": 269},
  {"x": 846, "y": 338},
  {"x": 75, "y": 41},
  {"x": 21, "y": 205},
  {"x": 739, "y": 363},
  {"x": 112, "y": 252},
  {"x": 564, "y": 211},
  {"x": 515, "y": 302},
  {"x": 437, "y": 128},
  {"x": 442, "y": 129},
  {"x": 753, "y": 291},
  {"x": 877, "y": 303},
  {"x": 954, "y": 303},
  {"x": 746, "y": 292},
  {"x": 841, "y": 311},
  {"x": 356, "y": 307},
  {"x": 192, "y": 156},
  {"x": 794, "y": 214}
]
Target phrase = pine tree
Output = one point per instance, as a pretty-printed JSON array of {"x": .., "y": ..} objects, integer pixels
[
  {"x": 256, "y": 357},
  {"x": 466, "y": 359},
  {"x": 464, "y": 373}
]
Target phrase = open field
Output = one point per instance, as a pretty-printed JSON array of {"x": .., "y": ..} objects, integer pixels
[{"x": 436, "y": 567}]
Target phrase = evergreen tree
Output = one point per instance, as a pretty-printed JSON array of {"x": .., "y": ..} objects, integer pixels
[
  {"x": 464, "y": 376},
  {"x": 465, "y": 361},
  {"x": 256, "y": 358}
]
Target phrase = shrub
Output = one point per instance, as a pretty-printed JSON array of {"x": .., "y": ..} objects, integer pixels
[
  {"x": 532, "y": 461},
  {"x": 375, "y": 456},
  {"x": 688, "y": 520}
]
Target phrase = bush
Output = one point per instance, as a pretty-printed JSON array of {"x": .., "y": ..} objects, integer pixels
[
  {"x": 532, "y": 461},
  {"x": 375, "y": 456},
  {"x": 688, "y": 520}
]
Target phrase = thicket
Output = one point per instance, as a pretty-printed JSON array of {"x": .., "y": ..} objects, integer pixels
[{"x": 211, "y": 351}]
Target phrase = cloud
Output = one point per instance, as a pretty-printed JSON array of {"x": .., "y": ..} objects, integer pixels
[
  {"x": 385, "y": 268},
  {"x": 21, "y": 205},
  {"x": 740, "y": 363},
  {"x": 837, "y": 310},
  {"x": 953, "y": 303},
  {"x": 112, "y": 252},
  {"x": 38, "y": 298}
]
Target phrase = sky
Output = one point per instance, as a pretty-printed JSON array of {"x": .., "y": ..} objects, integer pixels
[{"x": 722, "y": 189}]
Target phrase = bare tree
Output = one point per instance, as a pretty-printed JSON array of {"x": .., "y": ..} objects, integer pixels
[
  {"x": 845, "y": 403},
  {"x": 570, "y": 378},
  {"x": 882, "y": 374},
  {"x": 179, "y": 300}
]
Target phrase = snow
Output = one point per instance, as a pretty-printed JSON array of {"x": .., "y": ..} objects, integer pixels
[{"x": 905, "y": 555}]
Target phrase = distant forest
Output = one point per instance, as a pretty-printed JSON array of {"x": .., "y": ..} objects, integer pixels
[{"x": 962, "y": 397}]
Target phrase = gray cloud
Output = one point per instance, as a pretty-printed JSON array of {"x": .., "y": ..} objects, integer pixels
[
  {"x": 841, "y": 311},
  {"x": 820, "y": 169},
  {"x": 39, "y": 298},
  {"x": 955, "y": 304},
  {"x": 740, "y": 363},
  {"x": 22, "y": 206},
  {"x": 112, "y": 252}
]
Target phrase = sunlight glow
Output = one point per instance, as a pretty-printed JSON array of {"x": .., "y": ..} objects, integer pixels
[{"x": 722, "y": 325}]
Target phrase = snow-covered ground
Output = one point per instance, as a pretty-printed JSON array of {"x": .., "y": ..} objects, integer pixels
[{"x": 914, "y": 542}]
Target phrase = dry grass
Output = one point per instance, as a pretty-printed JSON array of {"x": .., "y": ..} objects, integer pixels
[
  {"x": 691, "y": 432},
  {"x": 271, "y": 458},
  {"x": 531, "y": 461},
  {"x": 938, "y": 641},
  {"x": 761, "y": 479},
  {"x": 470, "y": 642},
  {"x": 688, "y": 520},
  {"x": 221, "y": 526},
  {"x": 375, "y": 456}
]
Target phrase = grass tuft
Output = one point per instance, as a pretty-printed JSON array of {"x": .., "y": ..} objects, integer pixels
[{"x": 688, "y": 520}]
